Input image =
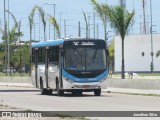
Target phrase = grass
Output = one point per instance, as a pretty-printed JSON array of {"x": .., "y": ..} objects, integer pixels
[
  {"x": 149, "y": 74},
  {"x": 153, "y": 95},
  {"x": 140, "y": 74},
  {"x": 17, "y": 74}
]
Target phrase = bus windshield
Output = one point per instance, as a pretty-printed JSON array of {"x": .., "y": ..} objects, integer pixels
[{"x": 84, "y": 59}]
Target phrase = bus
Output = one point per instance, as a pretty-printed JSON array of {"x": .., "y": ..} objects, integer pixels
[{"x": 73, "y": 65}]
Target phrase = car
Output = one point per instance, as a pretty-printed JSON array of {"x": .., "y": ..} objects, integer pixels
[{"x": 9, "y": 69}]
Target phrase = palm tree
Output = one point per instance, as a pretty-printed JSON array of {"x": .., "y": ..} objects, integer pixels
[
  {"x": 111, "y": 56},
  {"x": 120, "y": 20},
  {"x": 102, "y": 10},
  {"x": 42, "y": 13},
  {"x": 11, "y": 34},
  {"x": 85, "y": 18},
  {"x": 31, "y": 18},
  {"x": 53, "y": 21}
]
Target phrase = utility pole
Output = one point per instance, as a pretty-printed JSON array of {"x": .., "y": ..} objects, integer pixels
[
  {"x": 8, "y": 42},
  {"x": 79, "y": 29},
  {"x": 49, "y": 30},
  {"x": 144, "y": 17},
  {"x": 65, "y": 34},
  {"x": 89, "y": 26},
  {"x": 152, "y": 54},
  {"x": 94, "y": 29},
  {"x": 19, "y": 32},
  {"x": 122, "y": 3},
  {"x": 60, "y": 24},
  {"x": 39, "y": 28},
  {"x": 54, "y": 6},
  {"x": 97, "y": 30},
  {"x": 5, "y": 38}
]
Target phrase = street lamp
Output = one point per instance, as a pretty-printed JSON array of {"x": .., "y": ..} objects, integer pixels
[{"x": 54, "y": 6}]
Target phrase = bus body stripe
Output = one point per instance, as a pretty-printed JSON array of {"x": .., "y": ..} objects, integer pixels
[
  {"x": 75, "y": 79},
  {"x": 47, "y": 43}
]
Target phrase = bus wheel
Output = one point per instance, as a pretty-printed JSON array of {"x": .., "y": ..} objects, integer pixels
[
  {"x": 59, "y": 92},
  {"x": 43, "y": 91},
  {"x": 97, "y": 92}
]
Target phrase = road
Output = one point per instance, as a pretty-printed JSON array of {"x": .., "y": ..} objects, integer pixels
[{"x": 31, "y": 99}]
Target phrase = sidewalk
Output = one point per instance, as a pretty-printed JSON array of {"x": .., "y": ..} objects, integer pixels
[
  {"x": 133, "y": 91},
  {"x": 16, "y": 84}
]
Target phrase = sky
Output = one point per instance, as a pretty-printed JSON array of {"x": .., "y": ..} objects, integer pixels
[{"x": 71, "y": 12}]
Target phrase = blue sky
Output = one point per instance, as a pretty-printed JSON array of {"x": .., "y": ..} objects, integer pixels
[{"x": 71, "y": 11}]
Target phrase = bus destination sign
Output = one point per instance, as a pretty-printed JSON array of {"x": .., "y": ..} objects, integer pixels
[{"x": 83, "y": 43}]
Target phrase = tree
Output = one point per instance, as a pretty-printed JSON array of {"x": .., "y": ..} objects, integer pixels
[
  {"x": 42, "y": 13},
  {"x": 55, "y": 24},
  {"x": 14, "y": 33},
  {"x": 102, "y": 10},
  {"x": 111, "y": 56},
  {"x": 16, "y": 59},
  {"x": 120, "y": 20},
  {"x": 31, "y": 18},
  {"x": 85, "y": 18}
]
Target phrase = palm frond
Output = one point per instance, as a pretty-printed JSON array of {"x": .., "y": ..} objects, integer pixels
[
  {"x": 120, "y": 19},
  {"x": 55, "y": 24},
  {"x": 42, "y": 13},
  {"x": 14, "y": 19},
  {"x": 85, "y": 18},
  {"x": 31, "y": 16},
  {"x": 102, "y": 10}
]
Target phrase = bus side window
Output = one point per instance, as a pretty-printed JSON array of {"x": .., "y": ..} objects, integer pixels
[
  {"x": 53, "y": 54},
  {"x": 33, "y": 55},
  {"x": 57, "y": 54},
  {"x": 41, "y": 55}
]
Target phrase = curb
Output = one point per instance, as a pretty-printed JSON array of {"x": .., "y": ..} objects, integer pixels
[{"x": 133, "y": 91}]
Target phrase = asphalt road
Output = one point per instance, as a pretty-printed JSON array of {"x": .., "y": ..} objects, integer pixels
[{"x": 31, "y": 99}]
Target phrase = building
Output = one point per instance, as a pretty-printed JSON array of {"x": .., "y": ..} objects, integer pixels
[{"x": 137, "y": 53}]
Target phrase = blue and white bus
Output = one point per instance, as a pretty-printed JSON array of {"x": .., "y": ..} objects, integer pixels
[{"x": 69, "y": 65}]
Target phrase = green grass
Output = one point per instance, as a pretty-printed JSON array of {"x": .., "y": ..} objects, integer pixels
[
  {"x": 17, "y": 74},
  {"x": 149, "y": 74},
  {"x": 140, "y": 74}
]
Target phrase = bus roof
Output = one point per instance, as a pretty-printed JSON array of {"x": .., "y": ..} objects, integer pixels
[
  {"x": 74, "y": 39},
  {"x": 47, "y": 43},
  {"x": 57, "y": 42}
]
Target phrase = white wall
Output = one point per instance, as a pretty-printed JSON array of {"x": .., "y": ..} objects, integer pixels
[{"x": 134, "y": 45}]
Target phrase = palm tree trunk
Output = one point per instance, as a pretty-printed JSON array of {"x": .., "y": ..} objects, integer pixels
[
  {"x": 123, "y": 67},
  {"x": 30, "y": 50}
]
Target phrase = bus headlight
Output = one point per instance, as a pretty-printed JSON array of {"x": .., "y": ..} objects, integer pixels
[
  {"x": 102, "y": 80},
  {"x": 67, "y": 79}
]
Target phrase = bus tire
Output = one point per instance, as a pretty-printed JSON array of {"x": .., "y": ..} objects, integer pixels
[
  {"x": 43, "y": 91},
  {"x": 59, "y": 92},
  {"x": 49, "y": 92},
  {"x": 97, "y": 92}
]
